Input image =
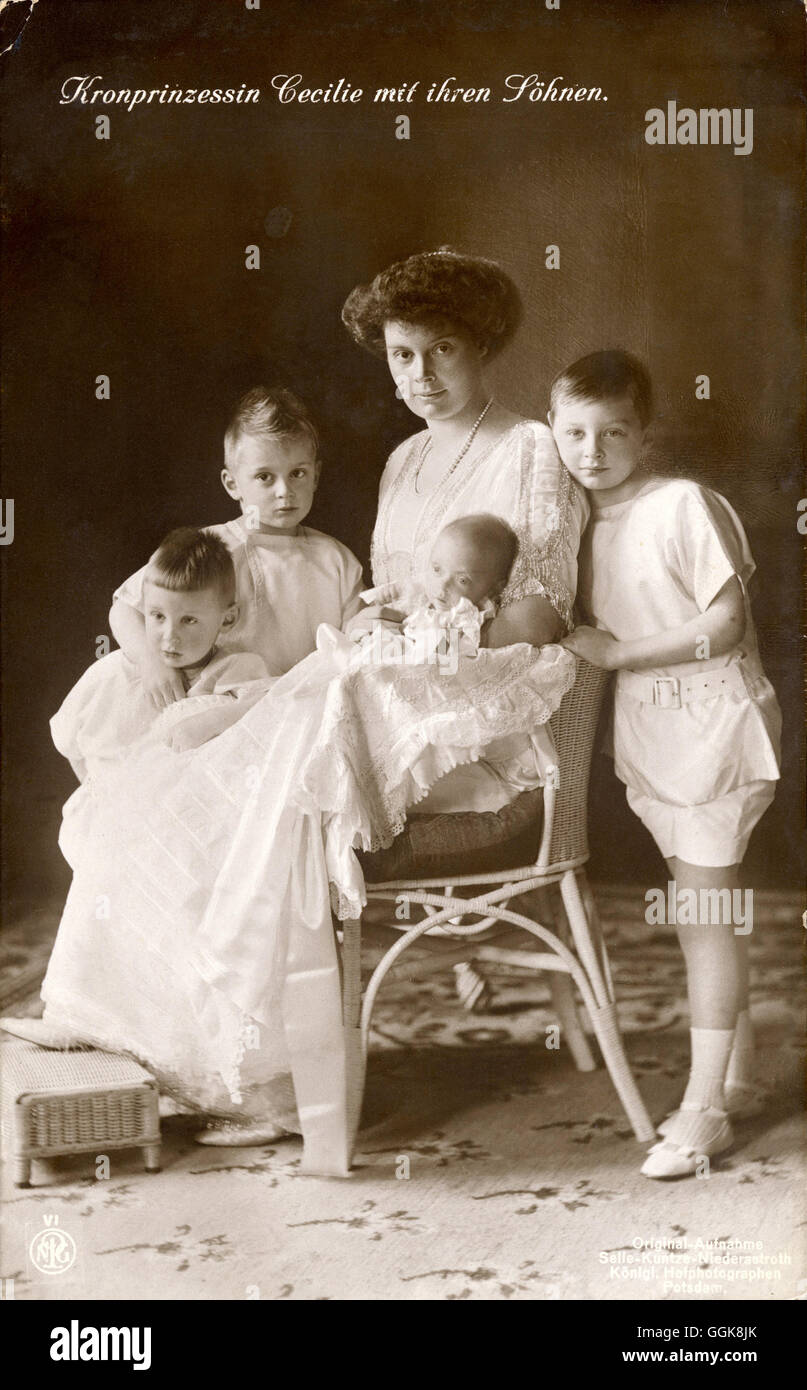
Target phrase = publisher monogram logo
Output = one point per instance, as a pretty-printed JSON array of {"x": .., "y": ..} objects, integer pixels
[{"x": 52, "y": 1251}]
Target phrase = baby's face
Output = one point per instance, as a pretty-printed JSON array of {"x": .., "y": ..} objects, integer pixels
[
  {"x": 458, "y": 569},
  {"x": 600, "y": 442},
  {"x": 181, "y": 628},
  {"x": 274, "y": 480}
]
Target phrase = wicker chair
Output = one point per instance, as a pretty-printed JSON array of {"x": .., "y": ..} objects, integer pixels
[{"x": 577, "y": 955}]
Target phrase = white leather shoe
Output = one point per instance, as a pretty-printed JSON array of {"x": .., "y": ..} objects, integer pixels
[
  {"x": 233, "y": 1134},
  {"x": 693, "y": 1133},
  {"x": 743, "y": 1101}
]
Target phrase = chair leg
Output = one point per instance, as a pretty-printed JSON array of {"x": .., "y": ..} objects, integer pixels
[
  {"x": 590, "y": 904},
  {"x": 581, "y": 935},
  {"x": 355, "y": 1051},
  {"x": 351, "y": 972},
  {"x": 538, "y": 906},
  {"x": 606, "y": 1028},
  {"x": 473, "y": 990},
  {"x": 355, "y": 1073},
  {"x": 604, "y": 1016},
  {"x": 563, "y": 1002}
]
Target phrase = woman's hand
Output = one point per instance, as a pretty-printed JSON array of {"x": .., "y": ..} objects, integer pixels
[{"x": 594, "y": 645}]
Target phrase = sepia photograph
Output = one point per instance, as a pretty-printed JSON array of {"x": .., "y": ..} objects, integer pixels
[{"x": 403, "y": 520}]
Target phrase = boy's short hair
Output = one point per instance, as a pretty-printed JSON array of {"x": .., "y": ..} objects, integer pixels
[
  {"x": 603, "y": 375},
  {"x": 190, "y": 559},
  {"x": 268, "y": 412},
  {"x": 485, "y": 529}
]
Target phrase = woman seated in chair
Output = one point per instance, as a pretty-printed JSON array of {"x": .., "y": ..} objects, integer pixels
[
  {"x": 438, "y": 319},
  {"x": 212, "y": 956}
]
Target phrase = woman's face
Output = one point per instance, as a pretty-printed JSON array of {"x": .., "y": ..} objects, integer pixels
[{"x": 436, "y": 366}]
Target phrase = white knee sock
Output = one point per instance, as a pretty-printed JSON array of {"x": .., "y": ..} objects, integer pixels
[
  {"x": 711, "y": 1048},
  {"x": 741, "y": 1062}
]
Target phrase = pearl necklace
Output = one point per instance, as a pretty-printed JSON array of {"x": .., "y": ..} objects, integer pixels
[{"x": 427, "y": 444}]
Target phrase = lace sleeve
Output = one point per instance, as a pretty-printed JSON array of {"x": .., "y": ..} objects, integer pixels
[{"x": 549, "y": 526}]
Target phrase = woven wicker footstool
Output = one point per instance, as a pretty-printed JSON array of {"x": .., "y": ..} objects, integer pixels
[{"x": 81, "y": 1101}]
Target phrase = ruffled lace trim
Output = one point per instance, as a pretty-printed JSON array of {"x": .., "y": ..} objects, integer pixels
[{"x": 365, "y": 788}]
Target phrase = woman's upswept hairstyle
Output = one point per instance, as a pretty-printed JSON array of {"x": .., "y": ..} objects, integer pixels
[{"x": 469, "y": 291}]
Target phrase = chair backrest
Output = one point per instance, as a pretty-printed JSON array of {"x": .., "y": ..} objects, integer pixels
[{"x": 574, "y": 725}]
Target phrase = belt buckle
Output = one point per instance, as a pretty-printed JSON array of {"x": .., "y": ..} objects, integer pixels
[{"x": 667, "y": 699}]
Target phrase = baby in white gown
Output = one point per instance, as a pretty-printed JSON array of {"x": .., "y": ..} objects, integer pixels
[
  {"x": 442, "y": 617},
  {"x": 446, "y": 610}
]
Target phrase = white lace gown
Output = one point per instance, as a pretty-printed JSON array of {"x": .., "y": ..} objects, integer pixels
[
  {"x": 511, "y": 764},
  {"x": 198, "y": 934},
  {"x": 521, "y": 479}
]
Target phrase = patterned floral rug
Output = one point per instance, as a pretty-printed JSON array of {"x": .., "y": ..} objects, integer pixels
[{"x": 488, "y": 1168}]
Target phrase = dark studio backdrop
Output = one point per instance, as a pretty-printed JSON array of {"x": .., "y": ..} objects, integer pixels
[{"x": 127, "y": 257}]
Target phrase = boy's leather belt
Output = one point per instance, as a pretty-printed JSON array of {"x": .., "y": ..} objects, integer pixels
[{"x": 671, "y": 692}]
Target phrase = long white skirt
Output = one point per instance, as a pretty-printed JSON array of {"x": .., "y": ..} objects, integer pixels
[{"x": 198, "y": 933}]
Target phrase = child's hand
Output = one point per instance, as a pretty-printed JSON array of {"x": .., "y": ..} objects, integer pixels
[
  {"x": 362, "y": 622},
  {"x": 598, "y": 647},
  {"x": 193, "y": 732},
  {"x": 162, "y": 684},
  {"x": 204, "y": 717},
  {"x": 365, "y": 621}
]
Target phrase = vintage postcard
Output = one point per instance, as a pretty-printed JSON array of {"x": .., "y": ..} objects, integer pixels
[{"x": 402, "y": 531}]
